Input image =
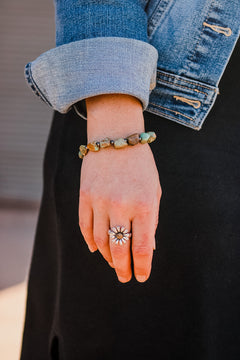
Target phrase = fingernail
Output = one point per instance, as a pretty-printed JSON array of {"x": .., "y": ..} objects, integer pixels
[
  {"x": 141, "y": 278},
  {"x": 123, "y": 279}
]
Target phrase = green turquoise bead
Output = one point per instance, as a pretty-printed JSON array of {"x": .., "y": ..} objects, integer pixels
[
  {"x": 120, "y": 143},
  {"x": 83, "y": 149},
  {"x": 80, "y": 155},
  {"x": 144, "y": 137},
  {"x": 152, "y": 136}
]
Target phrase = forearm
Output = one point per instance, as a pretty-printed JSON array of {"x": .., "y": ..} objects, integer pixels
[
  {"x": 112, "y": 190},
  {"x": 113, "y": 115}
]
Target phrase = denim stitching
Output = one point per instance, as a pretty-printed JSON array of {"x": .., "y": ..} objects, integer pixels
[
  {"x": 33, "y": 85},
  {"x": 189, "y": 82},
  {"x": 174, "y": 118},
  {"x": 175, "y": 112},
  {"x": 181, "y": 86},
  {"x": 156, "y": 16}
]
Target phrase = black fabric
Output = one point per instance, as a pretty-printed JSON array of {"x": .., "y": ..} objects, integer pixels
[{"x": 189, "y": 308}]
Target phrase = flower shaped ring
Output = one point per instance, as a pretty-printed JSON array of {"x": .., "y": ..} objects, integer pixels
[{"x": 119, "y": 234}]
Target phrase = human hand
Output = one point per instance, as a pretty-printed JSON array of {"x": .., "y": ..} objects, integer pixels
[{"x": 121, "y": 187}]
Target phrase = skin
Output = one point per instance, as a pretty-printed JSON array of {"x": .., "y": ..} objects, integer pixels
[{"x": 119, "y": 187}]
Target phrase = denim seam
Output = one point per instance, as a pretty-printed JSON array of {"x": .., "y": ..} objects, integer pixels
[
  {"x": 155, "y": 19},
  {"x": 174, "y": 111},
  {"x": 172, "y": 117},
  {"x": 36, "y": 89},
  {"x": 187, "y": 81},
  {"x": 152, "y": 14},
  {"x": 181, "y": 86}
]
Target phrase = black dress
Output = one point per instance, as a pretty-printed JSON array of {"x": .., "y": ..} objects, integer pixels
[{"x": 190, "y": 307}]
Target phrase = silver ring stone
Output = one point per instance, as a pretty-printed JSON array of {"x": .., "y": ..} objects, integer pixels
[{"x": 119, "y": 234}]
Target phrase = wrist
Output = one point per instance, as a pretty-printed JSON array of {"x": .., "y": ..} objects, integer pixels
[{"x": 113, "y": 115}]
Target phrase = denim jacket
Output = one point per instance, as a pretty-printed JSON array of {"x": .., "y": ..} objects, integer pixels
[{"x": 170, "y": 54}]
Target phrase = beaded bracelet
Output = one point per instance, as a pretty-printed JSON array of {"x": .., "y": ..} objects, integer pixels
[{"x": 143, "y": 138}]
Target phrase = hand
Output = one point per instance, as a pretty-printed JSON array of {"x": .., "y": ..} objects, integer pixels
[{"x": 121, "y": 187}]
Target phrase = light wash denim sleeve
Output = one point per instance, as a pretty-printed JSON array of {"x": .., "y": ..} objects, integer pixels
[{"x": 101, "y": 48}]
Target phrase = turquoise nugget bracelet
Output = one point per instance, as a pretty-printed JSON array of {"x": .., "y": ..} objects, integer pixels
[{"x": 143, "y": 138}]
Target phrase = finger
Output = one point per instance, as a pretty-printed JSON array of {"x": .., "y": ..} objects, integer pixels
[
  {"x": 154, "y": 244},
  {"x": 143, "y": 243},
  {"x": 85, "y": 214},
  {"x": 156, "y": 221},
  {"x": 120, "y": 251},
  {"x": 100, "y": 233}
]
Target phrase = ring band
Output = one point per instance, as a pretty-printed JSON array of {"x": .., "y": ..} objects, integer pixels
[{"x": 119, "y": 234}]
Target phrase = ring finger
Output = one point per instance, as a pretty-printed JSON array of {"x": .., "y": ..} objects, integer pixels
[{"x": 120, "y": 250}]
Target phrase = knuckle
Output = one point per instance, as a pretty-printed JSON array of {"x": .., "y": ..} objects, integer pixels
[
  {"x": 118, "y": 203},
  {"x": 144, "y": 206},
  {"x": 84, "y": 193},
  {"x": 100, "y": 199},
  {"x": 118, "y": 252},
  {"x": 90, "y": 194},
  {"x": 100, "y": 241},
  {"x": 143, "y": 250}
]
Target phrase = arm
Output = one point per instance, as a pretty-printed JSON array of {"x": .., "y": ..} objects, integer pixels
[
  {"x": 113, "y": 188},
  {"x": 103, "y": 56},
  {"x": 119, "y": 187}
]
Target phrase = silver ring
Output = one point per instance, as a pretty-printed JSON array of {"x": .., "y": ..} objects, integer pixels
[{"x": 119, "y": 234}]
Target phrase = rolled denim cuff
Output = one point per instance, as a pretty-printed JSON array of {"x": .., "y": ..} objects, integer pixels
[
  {"x": 67, "y": 74},
  {"x": 183, "y": 100}
]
